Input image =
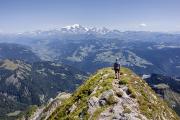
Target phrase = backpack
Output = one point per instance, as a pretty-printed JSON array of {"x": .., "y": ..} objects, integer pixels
[{"x": 116, "y": 66}]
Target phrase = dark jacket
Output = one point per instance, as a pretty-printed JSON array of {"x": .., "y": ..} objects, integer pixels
[{"x": 116, "y": 66}]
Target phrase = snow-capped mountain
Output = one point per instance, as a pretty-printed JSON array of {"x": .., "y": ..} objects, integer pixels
[
  {"x": 79, "y": 29},
  {"x": 71, "y": 29},
  {"x": 76, "y": 28}
]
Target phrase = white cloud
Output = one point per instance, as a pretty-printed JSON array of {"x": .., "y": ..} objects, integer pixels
[{"x": 143, "y": 25}]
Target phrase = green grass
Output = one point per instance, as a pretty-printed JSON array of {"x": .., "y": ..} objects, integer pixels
[
  {"x": 111, "y": 100},
  {"x": 126, "y": 110},
  {"x": 29, "y": 112},
  {"x": 82, "y": 94},
  {"x": 149, "y": 105},
  {"x": 98, "y": 112},
  {"x": 123, "y": 81},
  {"x": 131, "y": 91}
]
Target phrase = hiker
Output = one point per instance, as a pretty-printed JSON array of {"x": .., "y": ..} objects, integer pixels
[{"x": 117, "y": 69}]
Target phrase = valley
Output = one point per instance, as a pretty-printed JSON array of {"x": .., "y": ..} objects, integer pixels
[{"x": 35, "y": 67}]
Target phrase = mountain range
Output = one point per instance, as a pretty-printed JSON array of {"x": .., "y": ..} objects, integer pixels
[
  {"x": 81, "y": 47},
  {"x": 23, "y": 84},
  {"x": 37, "y": 66}
]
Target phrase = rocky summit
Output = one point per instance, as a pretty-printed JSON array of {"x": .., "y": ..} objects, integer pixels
[{"x": 102, "y": 97}]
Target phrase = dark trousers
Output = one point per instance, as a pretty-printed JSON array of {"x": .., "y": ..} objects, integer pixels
[{"x": 117, "y": 73}]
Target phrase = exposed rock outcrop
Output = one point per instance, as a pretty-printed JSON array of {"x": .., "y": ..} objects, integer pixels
[
  {"x": 43, "y": 112},
  {"x": 102, "y": 97}
]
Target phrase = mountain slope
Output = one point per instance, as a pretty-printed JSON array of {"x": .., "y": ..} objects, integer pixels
[
  {"x": 168, "y": 88},
  {"x": 91, "y": 54},
  {"x": 18, "y": 52},
  {"x": 89, "y": 49},
  {"x": 102, "y": 97},
  {"x": 23, "y": 84}
]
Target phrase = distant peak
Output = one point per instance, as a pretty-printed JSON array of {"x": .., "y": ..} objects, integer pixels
[
  {"x": 79, "y": 28},
  {"x": 73, "y": 26},
  {"x": 76, "y": 25},
  {"x": 76, "y": 28}
]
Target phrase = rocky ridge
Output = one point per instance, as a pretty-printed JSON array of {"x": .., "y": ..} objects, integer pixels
[
  {"x": 102, "y": 97},
  {"x": 45, "y": 111}
]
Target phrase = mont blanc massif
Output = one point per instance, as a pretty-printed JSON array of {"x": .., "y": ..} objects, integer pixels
[{"x": 66, "y": 74}]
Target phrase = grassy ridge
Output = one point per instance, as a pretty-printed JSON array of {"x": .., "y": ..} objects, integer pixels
[{"x": 149, "y": 104}]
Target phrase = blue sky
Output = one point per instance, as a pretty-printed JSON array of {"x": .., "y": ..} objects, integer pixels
[{"x": 148, "y": 15}]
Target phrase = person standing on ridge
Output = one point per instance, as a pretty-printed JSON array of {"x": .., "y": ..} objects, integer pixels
[{"x": 117, "y": 69}]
